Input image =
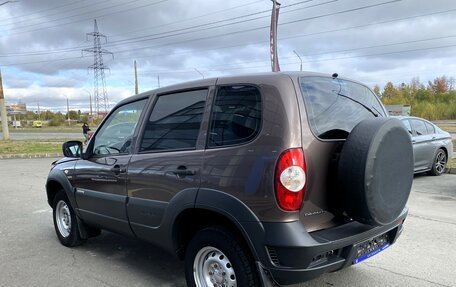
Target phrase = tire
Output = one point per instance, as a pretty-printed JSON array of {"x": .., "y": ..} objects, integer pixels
[
  {"x": 439, "y": 163},
  {"x": 215, "y": 254},
  {"x": 65, "y": 221},
  {"x": 375, "y": 171}
]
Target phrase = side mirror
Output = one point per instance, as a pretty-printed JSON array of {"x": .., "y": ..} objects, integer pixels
[{"x": 72, "y": 149}]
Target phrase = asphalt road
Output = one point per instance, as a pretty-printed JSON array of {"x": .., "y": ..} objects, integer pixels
[{"x": 30, "y": 254}]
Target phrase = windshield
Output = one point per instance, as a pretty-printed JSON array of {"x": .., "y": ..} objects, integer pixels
[{"x": 334, "y": 106}]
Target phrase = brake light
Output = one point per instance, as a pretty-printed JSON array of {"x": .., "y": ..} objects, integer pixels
[{"x": 290, "y": 179}]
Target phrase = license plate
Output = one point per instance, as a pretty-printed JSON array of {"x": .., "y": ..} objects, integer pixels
[{"x": 371, "y": 247}]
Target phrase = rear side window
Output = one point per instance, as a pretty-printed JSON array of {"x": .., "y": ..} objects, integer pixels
[
  {"x": 420, "y": 127},
  {"x": 236, "y": 116},
  {"x": 430, "y": 128},
  {"x": 175, "y": 122},
  {"x": 334, "y": 106},
  {"x": 407, "y": 126}
]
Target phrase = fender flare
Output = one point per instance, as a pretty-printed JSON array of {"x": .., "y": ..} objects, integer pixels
[
  {"x": 58, "y": 176},
  {"x": 239, "y": 214}
]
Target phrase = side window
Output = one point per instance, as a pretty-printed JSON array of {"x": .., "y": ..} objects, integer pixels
[
  {"x": 407, "y": 126},
  {"x": 174, "y": 122},
  {"x": 420, "y": 127},
  {"x": 236, "y": 116},
  {"x": 115, "y": 135},
  {"x": 430, "y": 128}
]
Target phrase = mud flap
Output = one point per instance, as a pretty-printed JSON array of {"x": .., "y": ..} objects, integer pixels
[{"x": 265, "y": 277}]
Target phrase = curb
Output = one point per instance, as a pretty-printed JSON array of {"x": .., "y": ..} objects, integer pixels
[
  {"x": 30, "y": 156},
  {"x": 450, "y": 170}
]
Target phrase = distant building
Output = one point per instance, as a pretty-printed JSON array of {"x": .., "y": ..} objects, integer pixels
[
  {"x": 398, "y": 110},
  {"x": 16, "y": 109}
]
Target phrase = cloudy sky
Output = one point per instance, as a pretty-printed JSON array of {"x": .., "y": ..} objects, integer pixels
[{"x": 373, "y": 41}]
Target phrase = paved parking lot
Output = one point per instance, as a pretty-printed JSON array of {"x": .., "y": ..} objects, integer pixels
[{"x": 30, "y": 254}]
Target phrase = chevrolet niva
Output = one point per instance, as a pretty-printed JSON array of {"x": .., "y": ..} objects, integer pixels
[{"x": 253, "y": 180}]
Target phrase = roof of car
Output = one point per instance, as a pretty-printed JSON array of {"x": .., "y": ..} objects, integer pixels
[
  {"x": 411, "y": 117},
  {"x": 253, "y": 77}
]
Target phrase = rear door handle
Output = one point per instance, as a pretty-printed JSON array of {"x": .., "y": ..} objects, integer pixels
[
  {"x": 118, "y": 170},
  {"x": 183, "y": 171}
]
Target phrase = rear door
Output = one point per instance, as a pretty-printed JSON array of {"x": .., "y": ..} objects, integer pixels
[
  {"x": 100, "y": 178},
  {"x": 423, "y": 149},
  {"x": 409, "y": 128},
  {"x": 168, "y": 160}
]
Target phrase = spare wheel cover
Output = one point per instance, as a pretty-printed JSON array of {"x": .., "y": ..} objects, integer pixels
[{"x": 375, "y": 171}]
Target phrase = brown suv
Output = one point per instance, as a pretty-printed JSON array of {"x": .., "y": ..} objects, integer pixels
[{"x": 259, "y": 179}]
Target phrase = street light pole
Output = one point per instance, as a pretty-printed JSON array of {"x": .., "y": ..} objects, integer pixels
[
  {"x": 90, "y": 105},
  {"x": 4, "y": 117},
  {"x": 275, "y": 67},
  {"x": 199, "y": 72},
  {"x": 136, "y": 80},
  {"x": 300, "y": 68}
]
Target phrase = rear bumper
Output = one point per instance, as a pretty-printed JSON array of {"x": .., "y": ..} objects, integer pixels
[{"x": 294, "y": 256}]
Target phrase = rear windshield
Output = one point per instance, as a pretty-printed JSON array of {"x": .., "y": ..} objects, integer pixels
[{"x": 334, "y": 106}]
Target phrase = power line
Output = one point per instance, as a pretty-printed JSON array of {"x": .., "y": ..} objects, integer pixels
[
  {"x": 182, "y": 29},
  {"x": 189, "y": 19},
  {"x": 179, "y": 32},
  {"x": 282, "y": 38},
  {"x": 72, "y": 16},
  {"x": 42, "y": 10},
  {"x": 238, "y": 32},
  {"x": 57, "y": 13},
  {"x": 353, "y": 49},
  {"x": 85, "y": 19},
  {"x": 146, "y": 37},
  {"x": 350, "y": 57}
]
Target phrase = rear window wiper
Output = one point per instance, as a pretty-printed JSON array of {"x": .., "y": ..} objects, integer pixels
[{"x": 358, "y": 102}]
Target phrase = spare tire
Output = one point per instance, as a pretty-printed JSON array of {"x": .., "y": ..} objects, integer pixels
[{"x": 375, "y": 171}]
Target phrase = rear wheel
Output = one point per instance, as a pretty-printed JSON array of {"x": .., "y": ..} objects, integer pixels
[
  {"x": 440, "y": 161},
  {"x": 65, "y": 221},
  {"x": 215, "y": 257}
]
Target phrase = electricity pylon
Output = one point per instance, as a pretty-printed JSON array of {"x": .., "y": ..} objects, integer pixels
[{"x": 99, "y": 83}]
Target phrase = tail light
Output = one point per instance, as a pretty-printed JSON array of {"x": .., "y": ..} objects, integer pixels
[{"x": 290, "y": 179}]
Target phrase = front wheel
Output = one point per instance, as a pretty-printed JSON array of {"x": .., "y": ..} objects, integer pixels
[
  {"x": 440, "y": 161},
  {"x": 215, "y": 258},
  {"x": 65, "y": 221}
]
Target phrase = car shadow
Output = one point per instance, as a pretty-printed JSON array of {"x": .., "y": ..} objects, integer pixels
[{"x": 138, "y": 256}]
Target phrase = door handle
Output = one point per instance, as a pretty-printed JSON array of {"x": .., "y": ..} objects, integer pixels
[
  {"x": 183, "y": 171},
  {"x": 118, "y": 170}
]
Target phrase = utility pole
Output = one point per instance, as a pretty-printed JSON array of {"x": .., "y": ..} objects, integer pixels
[
  {"x": 273, "y": 36},
  {"x": 158, "y": 80},
  {"x": 300, "y": 67},
  {"x": 90, "y": 103},
  {"x": 39, "y": 114},
  {"x": 5, "y": 129},
  {"x": 136, "y": 80},
  {"x": 99, "y": 93},
  {"x": 68, "y": 112}
]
